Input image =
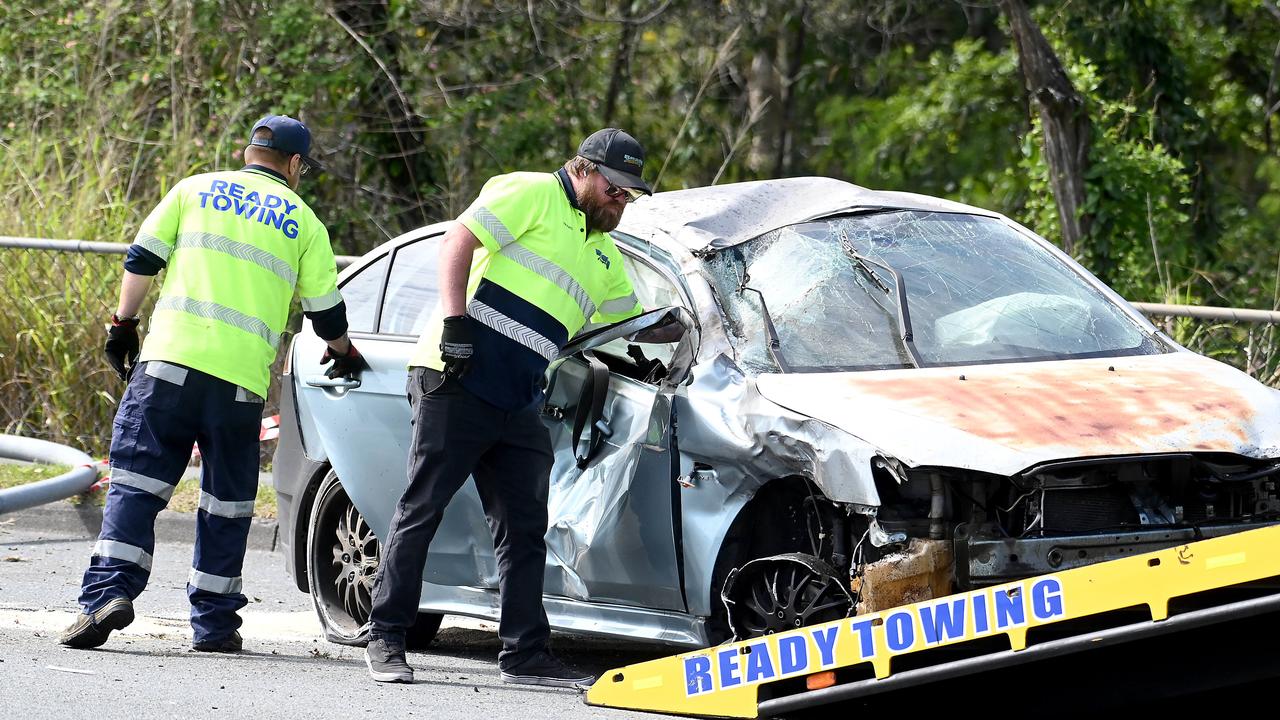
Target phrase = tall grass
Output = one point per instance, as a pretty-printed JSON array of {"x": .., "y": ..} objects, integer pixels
[
  {"x": 85, "y": 169},
  {"x": 54, "y": 383}
]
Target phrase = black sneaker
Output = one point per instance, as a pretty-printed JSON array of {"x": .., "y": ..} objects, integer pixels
[
  {"x": 92, "y": 629},
  {"x": 233, "y": 643},
  {"x": 386, "y": 662},
  {"x": 543, "y": 668}
]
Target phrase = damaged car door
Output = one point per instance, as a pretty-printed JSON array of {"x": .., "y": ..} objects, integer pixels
[
  {"x": 364, "y": 423},
  {"x": 612, "y": 532}
]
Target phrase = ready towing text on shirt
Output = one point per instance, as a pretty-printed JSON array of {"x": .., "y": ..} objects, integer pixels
[{"x": 265, "y": 208}]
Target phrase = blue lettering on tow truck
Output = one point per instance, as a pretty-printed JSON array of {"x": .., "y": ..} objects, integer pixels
[
  {"x": 944, "y": 621},
  {"x": 801, "y": 652}
]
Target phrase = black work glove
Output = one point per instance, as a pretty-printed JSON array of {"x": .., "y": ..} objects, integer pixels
[
  {"x": 122, "y": 345},
  {"x": 456, "y": 347},
  {"x": 349, "y": 365}
]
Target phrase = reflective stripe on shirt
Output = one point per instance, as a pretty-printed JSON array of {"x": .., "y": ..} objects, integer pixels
[
  {"x": 494, "y": 226},
  {"x": 554, "y": 274},
  {"x": 240, "y": 251},
  {"x": 510, "y": 328},
  {"x": 154, "y": 245},
  {"x": 324, "y": 302},
  {"x": 221, "y": 313}
]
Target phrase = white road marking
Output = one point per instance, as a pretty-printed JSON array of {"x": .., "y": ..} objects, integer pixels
[
  {"x": 77, "y": 671},
  {"x": 261, "y": 625}
]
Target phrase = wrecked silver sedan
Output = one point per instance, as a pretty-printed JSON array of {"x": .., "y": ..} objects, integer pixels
[{"x": 879, "y": 398}]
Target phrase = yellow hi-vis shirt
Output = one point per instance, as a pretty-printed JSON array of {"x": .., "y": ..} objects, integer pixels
[
  {"x": 237, "y": 244},
  {"x": 539, "y": 279}
]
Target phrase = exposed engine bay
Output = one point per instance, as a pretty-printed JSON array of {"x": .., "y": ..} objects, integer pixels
[
  {"x": 944, "y": 530},
  {"x": 1067, "y": 514}
]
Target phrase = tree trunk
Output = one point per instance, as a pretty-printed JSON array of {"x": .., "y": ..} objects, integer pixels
[
  {"x": 790, "y": 76},
  {"x": 621, "y": 67},
  {"x": 398, "y": 139},
  {"x": 1063, "y": 119},
  {"x": 763, "y": 89}
]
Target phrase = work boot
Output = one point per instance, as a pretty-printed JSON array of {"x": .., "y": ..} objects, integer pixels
[
  {"x": 230, "y": 644},
  {"x": 386, "y": 662},
  {"x": 92, "y": 629},
  {"x": 543, "y": 668}
]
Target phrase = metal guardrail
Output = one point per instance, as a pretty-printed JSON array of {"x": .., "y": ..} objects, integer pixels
[
  {"x": 22, "y": 243},
  {"x": 1206, "y": 312},
  {"x": 82, "y": 475},
  {"x": 1200, "y": 312}
]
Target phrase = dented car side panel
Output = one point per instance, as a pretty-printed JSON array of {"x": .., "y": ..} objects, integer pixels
[
  {"x": 610, "y": 535},
  {"x": 724, "y": 424}
]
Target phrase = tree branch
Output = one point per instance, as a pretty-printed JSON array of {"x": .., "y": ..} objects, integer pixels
[
  {"x": 722, "y": 54},
  {"x": 624, "y": 19},
  {"x": 1063, "y": 118},
  {"x": 1271, "y": 7},
  {"x": 404, "y": 101}
]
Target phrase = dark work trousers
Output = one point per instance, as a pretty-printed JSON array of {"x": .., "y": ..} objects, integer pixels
[
  {"x": 166, "y": 408},
  {"x": 456, "y": 434}
]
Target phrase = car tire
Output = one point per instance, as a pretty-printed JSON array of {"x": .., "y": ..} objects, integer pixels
[
  {"x": 342, "y": 562},
  {"x": 784, "y": 592}
]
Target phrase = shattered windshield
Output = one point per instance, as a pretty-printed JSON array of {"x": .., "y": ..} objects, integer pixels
[{"x": 976, "y": 290}]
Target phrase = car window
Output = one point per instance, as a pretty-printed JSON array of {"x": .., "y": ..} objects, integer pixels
[
  {"x": 977, "y": 291},
  {"x": 412, "y": 288},
  {"x": 360, "y": 292},
  {"x": 653, "y": 290}
]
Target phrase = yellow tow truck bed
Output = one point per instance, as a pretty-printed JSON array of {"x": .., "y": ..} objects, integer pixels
[{"x": 727, "y": 680}]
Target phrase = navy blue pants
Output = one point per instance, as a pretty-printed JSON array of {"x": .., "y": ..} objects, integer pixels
[
  {"x": 455, "y": 435},
  {"x": 166, "y": 408}
]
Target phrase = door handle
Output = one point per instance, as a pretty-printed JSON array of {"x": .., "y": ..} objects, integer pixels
[{"x": 343, "y": 383}]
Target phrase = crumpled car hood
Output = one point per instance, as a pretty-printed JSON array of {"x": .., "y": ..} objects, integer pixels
[{"x": 1008, "y": 417}]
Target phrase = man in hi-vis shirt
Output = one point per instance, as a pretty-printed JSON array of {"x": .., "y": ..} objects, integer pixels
[
  {"x": 237, "y": 244},
  {"x": 529, "y": 265}
]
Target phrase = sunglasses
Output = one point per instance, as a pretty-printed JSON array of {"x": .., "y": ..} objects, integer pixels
[
  {"x": 307, "y": 168},
  {"x": 630, "y": 194}
]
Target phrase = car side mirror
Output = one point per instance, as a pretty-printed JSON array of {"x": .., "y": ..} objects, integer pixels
[
  {"x": 666, "y": 324},
  {"x": 659, "y": 321}
]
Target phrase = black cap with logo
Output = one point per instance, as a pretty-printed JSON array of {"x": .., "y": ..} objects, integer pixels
[
  {"x": 618, "y": 157},
  {"x": 288, "y": 135}
]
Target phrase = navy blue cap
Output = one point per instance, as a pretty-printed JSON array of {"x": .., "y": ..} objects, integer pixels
[
  {"x": 288, "y": 136},
  {"x": 617, "y": 156}
]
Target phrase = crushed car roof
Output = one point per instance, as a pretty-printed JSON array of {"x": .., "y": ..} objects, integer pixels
[{"x": 720, "y": 216}]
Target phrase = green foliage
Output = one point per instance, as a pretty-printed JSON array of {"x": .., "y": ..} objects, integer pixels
[
  {"x": 113, "y": 101},
  {"x": 54, "y": 384},
  {"x": 950, "y": 130},
  {"x": 13, "y": 474},
  {"x": 415, "y": 104},
  {"x": 1136, "y": 192}
]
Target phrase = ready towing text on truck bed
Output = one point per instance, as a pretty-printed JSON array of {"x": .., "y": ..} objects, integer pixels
[{"x": 727, "y": 681}]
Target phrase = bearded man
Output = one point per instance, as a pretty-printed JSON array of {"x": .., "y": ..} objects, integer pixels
[{"x": 529, "y": 265}]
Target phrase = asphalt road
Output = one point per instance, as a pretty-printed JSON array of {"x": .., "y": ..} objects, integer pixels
[{"x": 287, "y": 670}]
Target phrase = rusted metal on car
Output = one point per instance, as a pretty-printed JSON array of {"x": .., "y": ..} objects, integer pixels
[
  {"x": 924, "y": 570},
  {"x": 1007, "y": 417}
]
